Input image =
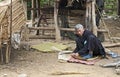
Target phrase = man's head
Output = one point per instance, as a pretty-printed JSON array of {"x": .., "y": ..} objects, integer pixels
[{"x": 79, "y": 29}]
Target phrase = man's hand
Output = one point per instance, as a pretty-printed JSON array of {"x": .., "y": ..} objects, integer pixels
[{"x": 75, "y": 55}]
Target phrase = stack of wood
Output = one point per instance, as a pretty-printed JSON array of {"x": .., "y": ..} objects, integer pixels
[{"x": 18, "y": 20}]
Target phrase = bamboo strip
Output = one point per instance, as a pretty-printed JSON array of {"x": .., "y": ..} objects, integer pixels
[
  {"x": 18, "y": 19},
  {"x": 15, "y": 23},
  {"x": 17, "y": 11},
  {"x": 2, "y": 14},
  {"x": 16, "y": 15}
]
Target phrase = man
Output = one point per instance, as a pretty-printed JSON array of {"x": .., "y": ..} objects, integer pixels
[{"x": 87, "y": 44}]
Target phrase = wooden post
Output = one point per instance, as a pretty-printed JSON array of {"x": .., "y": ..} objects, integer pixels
[
  {"x": 119, "y": 7},
  {"x": 32, "y": 12},
  {"x": 25, "y": 7},
  {"x": 38, "y": 6},
  {"x": 58, "y": 37},
  {"x": 88, "y": 16},
  {"x": 94, "y": 30}
]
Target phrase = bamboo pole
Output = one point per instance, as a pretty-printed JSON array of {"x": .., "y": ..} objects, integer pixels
[
  {"x": 9, "y": 45},
  {"x": 58, "y": 37}
]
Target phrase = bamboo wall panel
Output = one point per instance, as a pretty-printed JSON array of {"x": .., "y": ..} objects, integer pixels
[{"x": 18, "y": 18}]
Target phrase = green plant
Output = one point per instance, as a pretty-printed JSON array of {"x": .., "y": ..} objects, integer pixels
[{"x": 111, "y": 7}]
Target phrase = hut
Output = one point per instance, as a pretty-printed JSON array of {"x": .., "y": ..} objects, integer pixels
[
  {"x": 53, "y": 19},
  {"x": 12, "y": 18},
  {"x": 63, "y": 16}
]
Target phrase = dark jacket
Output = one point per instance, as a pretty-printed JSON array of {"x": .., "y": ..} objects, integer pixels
[{"x": 89, "y": 42}]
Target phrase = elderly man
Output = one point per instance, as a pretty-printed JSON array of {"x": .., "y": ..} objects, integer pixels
[{"x": 87, "y": 44}]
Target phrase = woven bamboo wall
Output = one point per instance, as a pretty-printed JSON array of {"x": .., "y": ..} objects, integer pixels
[{"x": 18, "y": 19}]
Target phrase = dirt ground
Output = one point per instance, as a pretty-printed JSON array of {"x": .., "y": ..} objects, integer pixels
[{"x": 38, "y": 64}]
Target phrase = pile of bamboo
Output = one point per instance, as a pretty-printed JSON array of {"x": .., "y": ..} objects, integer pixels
[{"x": 18, "y": 20}]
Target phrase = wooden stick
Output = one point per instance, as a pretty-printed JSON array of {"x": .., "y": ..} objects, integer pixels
[
  {"x": 67, "y": 73},
  {"x": 7, "y": 53}
]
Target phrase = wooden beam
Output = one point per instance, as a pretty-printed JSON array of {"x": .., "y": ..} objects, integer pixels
[
  {"x": 41, "y": 28},
  {"x": 68, "y": 29},
  {"x": 51, "y": 28},
  {"x": 41, "y": 37},
  {"x": 47, "y": 28},
  {"x": 102, "y": 30}
]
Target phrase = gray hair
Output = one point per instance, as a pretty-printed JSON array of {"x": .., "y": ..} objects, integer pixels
[{"x": 79, "y": 26}]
